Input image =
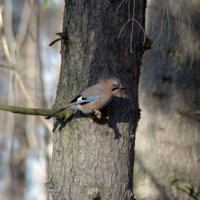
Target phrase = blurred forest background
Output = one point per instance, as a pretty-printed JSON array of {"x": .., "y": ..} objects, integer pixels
[
  {"x": 29, "y": 72},
  {"x": 168, "y": 137}
]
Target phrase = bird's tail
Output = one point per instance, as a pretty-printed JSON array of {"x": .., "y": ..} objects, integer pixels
[{"x": 57, "y": 111}]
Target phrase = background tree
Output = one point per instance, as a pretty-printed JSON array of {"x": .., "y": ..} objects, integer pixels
[
  {"x": 24, "y": 81},
  {"x": 169, "y": 96}
]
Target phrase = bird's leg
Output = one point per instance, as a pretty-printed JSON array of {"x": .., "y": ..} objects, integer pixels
[{"x": 97, "y": 114}]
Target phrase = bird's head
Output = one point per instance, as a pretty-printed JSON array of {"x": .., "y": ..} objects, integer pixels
[{"x": 116, "y": 85}]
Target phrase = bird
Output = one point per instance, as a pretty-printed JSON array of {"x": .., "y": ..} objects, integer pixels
[{"x": 94, "y": 98}]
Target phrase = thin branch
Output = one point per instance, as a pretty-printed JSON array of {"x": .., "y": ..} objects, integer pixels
[
  {"x": 133, "y": 15},
  {"x": 30, "y": 111},
  {"x": 24, "y": 23},
  {"x": 6, "y": 48},
  {"x": 3, "y": 39},
  {"x": 153, "y": 21},
  {"x": 56, "y": 40},
  {"x": 168, "y": 20},
  {"x": 8, "y": 30},
  {"x": 119, "y": 7},
  {"x": 190, "y": 24},
  {"x": 26, "y": 111},
  {"x": 23, "y": 89},
  {"x": 40, "y": 63},
  {"x": 129, "y": 9},
  {"x": 138, "y": 23},
  {"x": 161, "y": 29}
]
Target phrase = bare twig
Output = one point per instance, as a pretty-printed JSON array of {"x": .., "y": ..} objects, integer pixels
[
  {"x": 3, "y": 39},
  {"x": 119, "y": 7},
  {"x": 40, "y": 63},
  {"x": 129, "y": 9},
  {"x": 26, "y": 111},
  {"x": 161, "y": 29},
  {"x": 7, "y": 18},
  {"x": 24, "y": 23},
  {"x": 31, "y": 111},
  {"x": 6, "y": 49},
  {"x": 23, "y": 89},
  {"x": 138, "y": 23},
  {"x": 154, "y": 18},
  {"x": 189, "y": 20},
  {"x": 133, "y": 15},
  {"x": 168, "y": 21}
]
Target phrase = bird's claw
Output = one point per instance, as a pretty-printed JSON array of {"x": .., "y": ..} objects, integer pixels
[{"x": 97, "y": 114}]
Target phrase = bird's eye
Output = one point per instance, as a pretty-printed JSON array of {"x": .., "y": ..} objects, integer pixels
[{"x": 115, "y": 86}]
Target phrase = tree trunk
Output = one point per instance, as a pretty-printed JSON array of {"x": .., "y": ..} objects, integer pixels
[
  {"x": 95, "y": 160},
  {"x": 170, "y": 102}
]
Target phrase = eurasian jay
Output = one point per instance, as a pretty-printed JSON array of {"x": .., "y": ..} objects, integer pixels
[{"x": 94, "y": 98}]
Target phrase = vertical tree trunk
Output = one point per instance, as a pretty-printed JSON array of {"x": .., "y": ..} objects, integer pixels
[{"x": 95, "y": 160}]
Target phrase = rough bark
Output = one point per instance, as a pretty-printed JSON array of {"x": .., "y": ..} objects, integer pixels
[
  {"x": 169, "y": 94},
  {"x": 95, "y": 160}
]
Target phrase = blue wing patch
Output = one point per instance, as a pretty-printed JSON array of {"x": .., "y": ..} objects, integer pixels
[
  {"x": 90, "y": 99},
  {"x": 84, "y": 100}
]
